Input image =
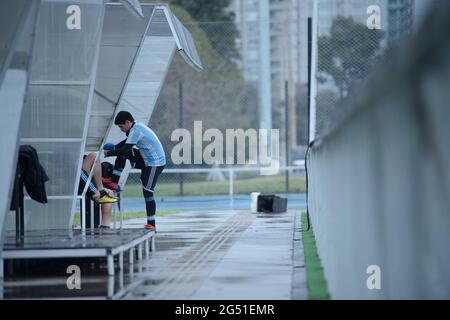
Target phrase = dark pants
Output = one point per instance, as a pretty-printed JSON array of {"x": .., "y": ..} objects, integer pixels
[
  {"x": 92, "y": 188},
  {"x": 149, "y": 177}
]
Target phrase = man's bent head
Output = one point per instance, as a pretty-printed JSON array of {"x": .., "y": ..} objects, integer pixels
[{"x": 124, "y": 120}]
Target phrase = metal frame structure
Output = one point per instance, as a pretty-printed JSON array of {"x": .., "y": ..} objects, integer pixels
[
  {"x": 123, "y": 289},
  {"x": 58, "y": 100},
  {"x": 145, "y": 242},
  {"x": 114, "y": 97},
  {"x": 141, "y": 88},
  {"x": 55, "y": 90},
  {"x": 60, "y": 138},
  {"x": 14, "y": 71}
]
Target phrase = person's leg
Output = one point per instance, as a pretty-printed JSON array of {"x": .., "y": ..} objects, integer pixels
[
  {"x": 119, "y": 165},
  {"x": 150, "y": 204},
  {"x": 149, "y": 177},
  {"x": 136, "y": 160},
  {"x": 88, "y": 163},
  {"x": 92, "y": 191},
  {"x": 96, "y": 186},
  {"x": 106, "y": 213}
]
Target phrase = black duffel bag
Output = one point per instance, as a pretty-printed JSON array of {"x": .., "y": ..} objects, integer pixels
[
  {"x": 107, "y": 170},
  {"x": 271, "y": 204}
]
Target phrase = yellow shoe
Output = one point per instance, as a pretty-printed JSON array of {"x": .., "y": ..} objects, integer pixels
[{"x": 106, "y": 199}]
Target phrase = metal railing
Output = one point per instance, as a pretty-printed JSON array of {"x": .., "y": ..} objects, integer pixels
[{"x": 229, "y": 174}]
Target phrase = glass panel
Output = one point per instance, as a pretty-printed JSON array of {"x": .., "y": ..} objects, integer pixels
[
  {"x": 13, "y": 82},
  {"x": 143, "y": 87},
  {"x": 60, "y": 161},
  {"x": 55, "y": 112},
  {"x": 110, "y": 81},
  {"x": 63, "y": 60},
  {"x": 159, "y": 25},
  {"x": 101, "y": 118},
  {"x": 10, "y": 20},
  {"x": 62, "y": 51},
  {"x": 186, "y": 42},
  {"x": 53, "y": 215},
  {"x": 121, "y": 29},
  {"x": 12, "y": 92},
  {"x": 121, "y": 38},
  {"x": 134, "y": 6}
]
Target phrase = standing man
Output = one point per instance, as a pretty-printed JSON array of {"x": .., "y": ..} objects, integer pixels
[{"x": 144, "y": 151}]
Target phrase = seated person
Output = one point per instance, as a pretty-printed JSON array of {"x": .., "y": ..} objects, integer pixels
[{"x": 96, "y": 190}]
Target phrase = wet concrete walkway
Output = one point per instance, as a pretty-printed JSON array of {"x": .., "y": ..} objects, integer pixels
[{"x": 223, "y": 255}]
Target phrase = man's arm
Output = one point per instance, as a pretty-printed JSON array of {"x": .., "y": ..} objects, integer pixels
[
  {"x": 124, "y": 149},
  {"x": 125, "y": 146},
  {"x": 120, "y": 144}
]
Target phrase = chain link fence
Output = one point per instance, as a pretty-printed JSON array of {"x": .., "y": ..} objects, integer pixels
[
  {"x": 221, "y": 97},
  {"x": 353, "y": 38},
  {"x": 220, "y": 181}
]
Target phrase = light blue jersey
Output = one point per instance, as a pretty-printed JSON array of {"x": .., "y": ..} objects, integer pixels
[{"x": 148, "y": 143}]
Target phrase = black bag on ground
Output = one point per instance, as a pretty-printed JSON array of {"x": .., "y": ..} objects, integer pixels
[{"x": 271, "y": 204}]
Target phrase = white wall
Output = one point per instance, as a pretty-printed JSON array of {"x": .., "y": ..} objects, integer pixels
[{"x": 380, "y": 182}]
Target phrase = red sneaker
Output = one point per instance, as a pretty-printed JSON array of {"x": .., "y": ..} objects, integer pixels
[{"x": 150, "y": 227}]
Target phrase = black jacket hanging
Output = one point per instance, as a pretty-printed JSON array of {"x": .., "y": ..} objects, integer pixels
[{"x": 31, "y": 175}]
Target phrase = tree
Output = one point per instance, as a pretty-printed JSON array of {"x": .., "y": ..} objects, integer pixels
[
  {"x": 348, "y": 52},
  {"x": 218, "y": 96},
  {"x": 217, "y": 23}
]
